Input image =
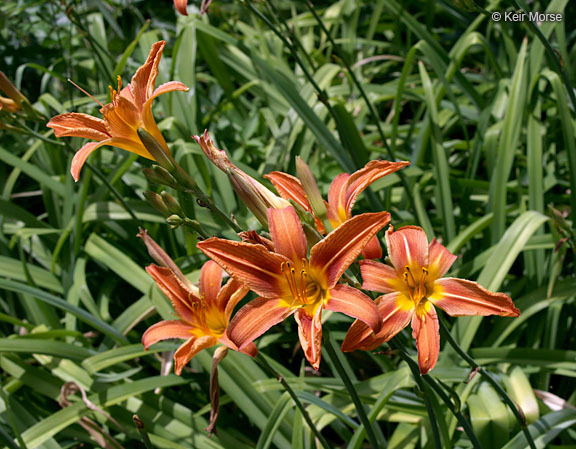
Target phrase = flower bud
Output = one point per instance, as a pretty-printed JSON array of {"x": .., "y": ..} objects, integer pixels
[
  {"x": 157, "y": 202},
  {"x": 159, "y": 175},
  {"x": 174, "y": 221},
  {"x": 172, "y": 204},
  {"x": 312, "y": 192},
  {"x": 157, "y": 150}
]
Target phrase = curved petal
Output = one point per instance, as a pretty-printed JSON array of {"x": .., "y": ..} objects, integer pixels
[
  {"x": 149, "y": 124},
  {"x": 75, "y": 124},
  {"x": 310, "y": 334},
  {"x": 164, "y": 330},
  {"x": 395, "y": 317},
  {"x": 408, "y": 246},
  {"x": 440, "y": 259},
  {"x": 170, "y": 86},
  {"x": 180, "y": 6},
  {"x": 255, "y": 318},
  {"x": 252, "y": 264},
  {"x": 373, "y": 250},
  {"x": 188, "y": 350},
  {"x": 287, "y": 234},
  {"x": 459, "y": 297},
  {"x": 379, "y": 277},
  {"x": 362, "y": 178},
  {"x": 144, "y": 79},
  {"x": 210, "y": 281},
  {"x": 230, "y": 295},
  {"x": 425, "y": 330},
  {"x": 174, "y": 290},
  {"x": 337, "y": 199},
  {"x": 288, "y": 187},
  {"x": 330, "y": 257},
  {"x": 250, "y": 349},
  {"x": 354, "y": 303},
  {"x": 82, "y": 154}
]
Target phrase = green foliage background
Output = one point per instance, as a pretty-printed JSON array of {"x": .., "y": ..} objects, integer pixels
[{"x": 484, "y": 111}]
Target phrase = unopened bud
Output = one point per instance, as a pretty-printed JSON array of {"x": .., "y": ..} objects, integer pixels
[
  {"x": 312, "y": 192},
  {"x": 174, "y": 221},
  {"x": 172, "y": 204},
  {"x": 157, "y": 202},
  {"x": 157, "y": 150},
  {"x": 159, "y": 175}
]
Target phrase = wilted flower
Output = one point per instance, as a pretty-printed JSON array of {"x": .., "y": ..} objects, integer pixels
[
  {"x": 413, "y": 287},
  {"x": 255, "y": 195},
  {"x": 290, "y": 282},
  {"x": 130, "y": 109}
]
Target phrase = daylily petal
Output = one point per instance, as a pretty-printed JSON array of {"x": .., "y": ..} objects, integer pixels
[
  {"x": 230, "y": 295},
  {"x": 255, "y": 318},
  {"x": 373, "y": 250},
  {"x": 170, "y": 86},
  {"x": 81, "y": 155},
  {"x": 310, "y": 334},
  {"x": 122, "y": 119},
  {"x": 74, "y": 124},
  {"x": 354, "y": 303},
  {"x": 188, "y": 350},
  {"x": 361, "y": 179},
  {"x": 408, "y": 246},
  {"x": 148, "y": 121},
  {"x": 287, "y": 234},
  {"x": 174, "y": 290},
  {"x": 144, "y": 79},
  {"x": 180, "y": 6},
  {"x": 333, "y": 255},
  {"x": 425, "y": 330},
  {"x": 460, "y": 297},
  {"x": 164, "y": 330},
  {"x": 395, "y": 317},
  {"x": 210, "y": 281},
  {"x": 250, "y": 349},
  {"x": 379, "y": 277},
  {"x": 289, "y": 187},
  {"x": 252, "y": 264},
  {"x": 439, "y": 259},
  {"x": 337, "y": 199}
]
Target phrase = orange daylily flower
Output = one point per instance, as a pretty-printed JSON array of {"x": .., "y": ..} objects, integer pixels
[
  {"x": 342, "y": 195},
  {"x": 203, "y": 312},
  {"x": 414, "y": 287},
  {"x": 289, "y": 282},
  {"x": 130, "y": 108}
]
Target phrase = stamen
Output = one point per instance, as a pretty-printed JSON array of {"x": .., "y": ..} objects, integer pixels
[{"x": 84, "y": 92}]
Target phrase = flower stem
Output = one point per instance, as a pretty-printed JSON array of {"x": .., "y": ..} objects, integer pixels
[
  {"x": 430, "y": 381},
  {"x": 351, "y": 390},
  {"x": 516, "y": 410},
  {"x": 267, "y": 367}
]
